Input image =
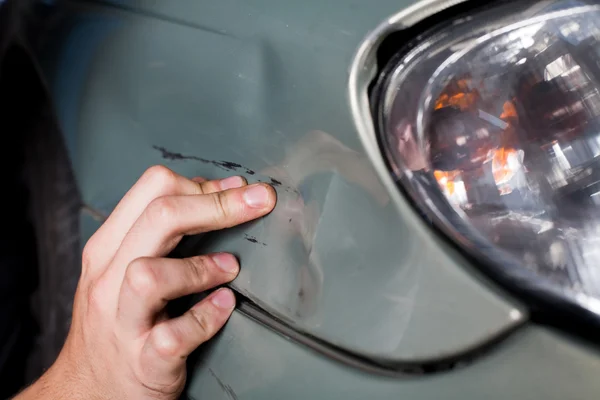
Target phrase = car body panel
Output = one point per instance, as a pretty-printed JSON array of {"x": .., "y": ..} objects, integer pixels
[
  {"x": 258, "y": 88},
  {"x": 248, "y": 361}
]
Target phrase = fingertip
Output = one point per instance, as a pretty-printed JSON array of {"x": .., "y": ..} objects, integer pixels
[
  {"x": 272, "y": 199},
  {"x": 260, "y": 196},
  {"x": 232, "y": 182},
  {"x": 223, "y": 299},
  {"x": 226, "y": 262}
]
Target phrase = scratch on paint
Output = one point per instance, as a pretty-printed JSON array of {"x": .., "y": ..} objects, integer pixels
[
  {"x": 224, "y": 165},
  {"x": 275, "y": 182},
  {"x": 225, "y": 387},
  {"x": 252, "y": 239}
]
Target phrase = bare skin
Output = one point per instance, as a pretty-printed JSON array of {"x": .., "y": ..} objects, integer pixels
[{"x": 121, "y": 344}]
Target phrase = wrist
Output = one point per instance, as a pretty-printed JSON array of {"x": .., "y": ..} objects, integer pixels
[{"x": 63, "y": 381}]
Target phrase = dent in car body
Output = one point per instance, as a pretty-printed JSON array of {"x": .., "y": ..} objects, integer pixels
[
  {"x": 262, "y": 84},
  {"x": 252, "y": 362}
]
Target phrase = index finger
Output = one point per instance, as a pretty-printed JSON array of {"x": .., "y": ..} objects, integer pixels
[
  {"x": 162, "y": 225},
  {"x": 157, "y": 181}
]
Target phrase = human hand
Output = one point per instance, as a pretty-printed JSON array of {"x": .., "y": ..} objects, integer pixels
[{"x": 121, "y": 344}]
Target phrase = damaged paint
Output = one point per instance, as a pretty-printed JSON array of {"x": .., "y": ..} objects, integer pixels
[
  {"x": 343, "y": 263},
  {"x": 224, "y": 165},
  {"x": 253, "y": 239},
  {"x": 225, "y": 387}
]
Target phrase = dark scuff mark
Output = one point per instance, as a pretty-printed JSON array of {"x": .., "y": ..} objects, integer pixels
[
  {"x": 252, "y": 239},
  {"x": 290, "y": 220},
  {"x": 224, "y": 165},
  {"x": 225, "y": 387},
  {"x": 275, "y": 182},
  {"x": 230, "y": 165},
  {"x": 170, "y": 155}
]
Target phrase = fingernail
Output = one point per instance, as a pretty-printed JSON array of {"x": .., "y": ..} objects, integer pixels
[
  {"x": 223, "y": 298},
  {"x": 226, "y": 262},
  {"x": 231, "y": 183},
  {"x": 256, "y": 196}
]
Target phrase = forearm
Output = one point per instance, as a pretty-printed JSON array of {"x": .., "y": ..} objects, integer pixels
[
  {"x": 38, "y": 390},
  {"x": 42, "y": 389},
  {"x": 59, "y": 384}
]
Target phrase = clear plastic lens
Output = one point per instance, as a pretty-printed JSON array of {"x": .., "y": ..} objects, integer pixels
[{"x": 503, "y": 125}]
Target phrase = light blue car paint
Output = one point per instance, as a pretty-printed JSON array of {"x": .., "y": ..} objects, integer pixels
[{"x": 259, "y": 88}]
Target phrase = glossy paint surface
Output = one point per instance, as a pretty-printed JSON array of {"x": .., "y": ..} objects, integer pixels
[
  {"x": 259, "y": 88},
  {"x": 249, "y": 361},
  {"x": 133, "y": 90}
]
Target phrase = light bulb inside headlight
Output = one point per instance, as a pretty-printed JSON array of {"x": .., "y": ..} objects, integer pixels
[{"x": 495, "y": 129}]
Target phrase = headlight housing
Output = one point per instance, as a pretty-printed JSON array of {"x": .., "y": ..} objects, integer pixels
[{"x": 493, "y": 127}]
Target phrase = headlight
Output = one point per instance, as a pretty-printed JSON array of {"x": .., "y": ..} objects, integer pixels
[{"x": 493, "y": 126}]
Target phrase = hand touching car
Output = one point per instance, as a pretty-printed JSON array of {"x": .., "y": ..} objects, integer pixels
[{"x": 121, "y": 343}]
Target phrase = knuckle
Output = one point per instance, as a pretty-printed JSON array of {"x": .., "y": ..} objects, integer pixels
[
  {"x": 203, "y": 322},
  {"x": 161, "y": 176},
  {"x": 221, "y": 212},
  {"x": 141, "y": 277},
  {"x": 92, "y": 298},
  {"x": 167, "y": 342},
  {"x": 95, "y": 298},
  {"x": 201, "y": 187},
  {"x": 198, "y": 267},
  {"x": 162, "y": 210},
  {"x": 87, "y": 255}
]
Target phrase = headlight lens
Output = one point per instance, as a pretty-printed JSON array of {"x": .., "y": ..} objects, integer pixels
[{"x": 495, "y": 129}]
